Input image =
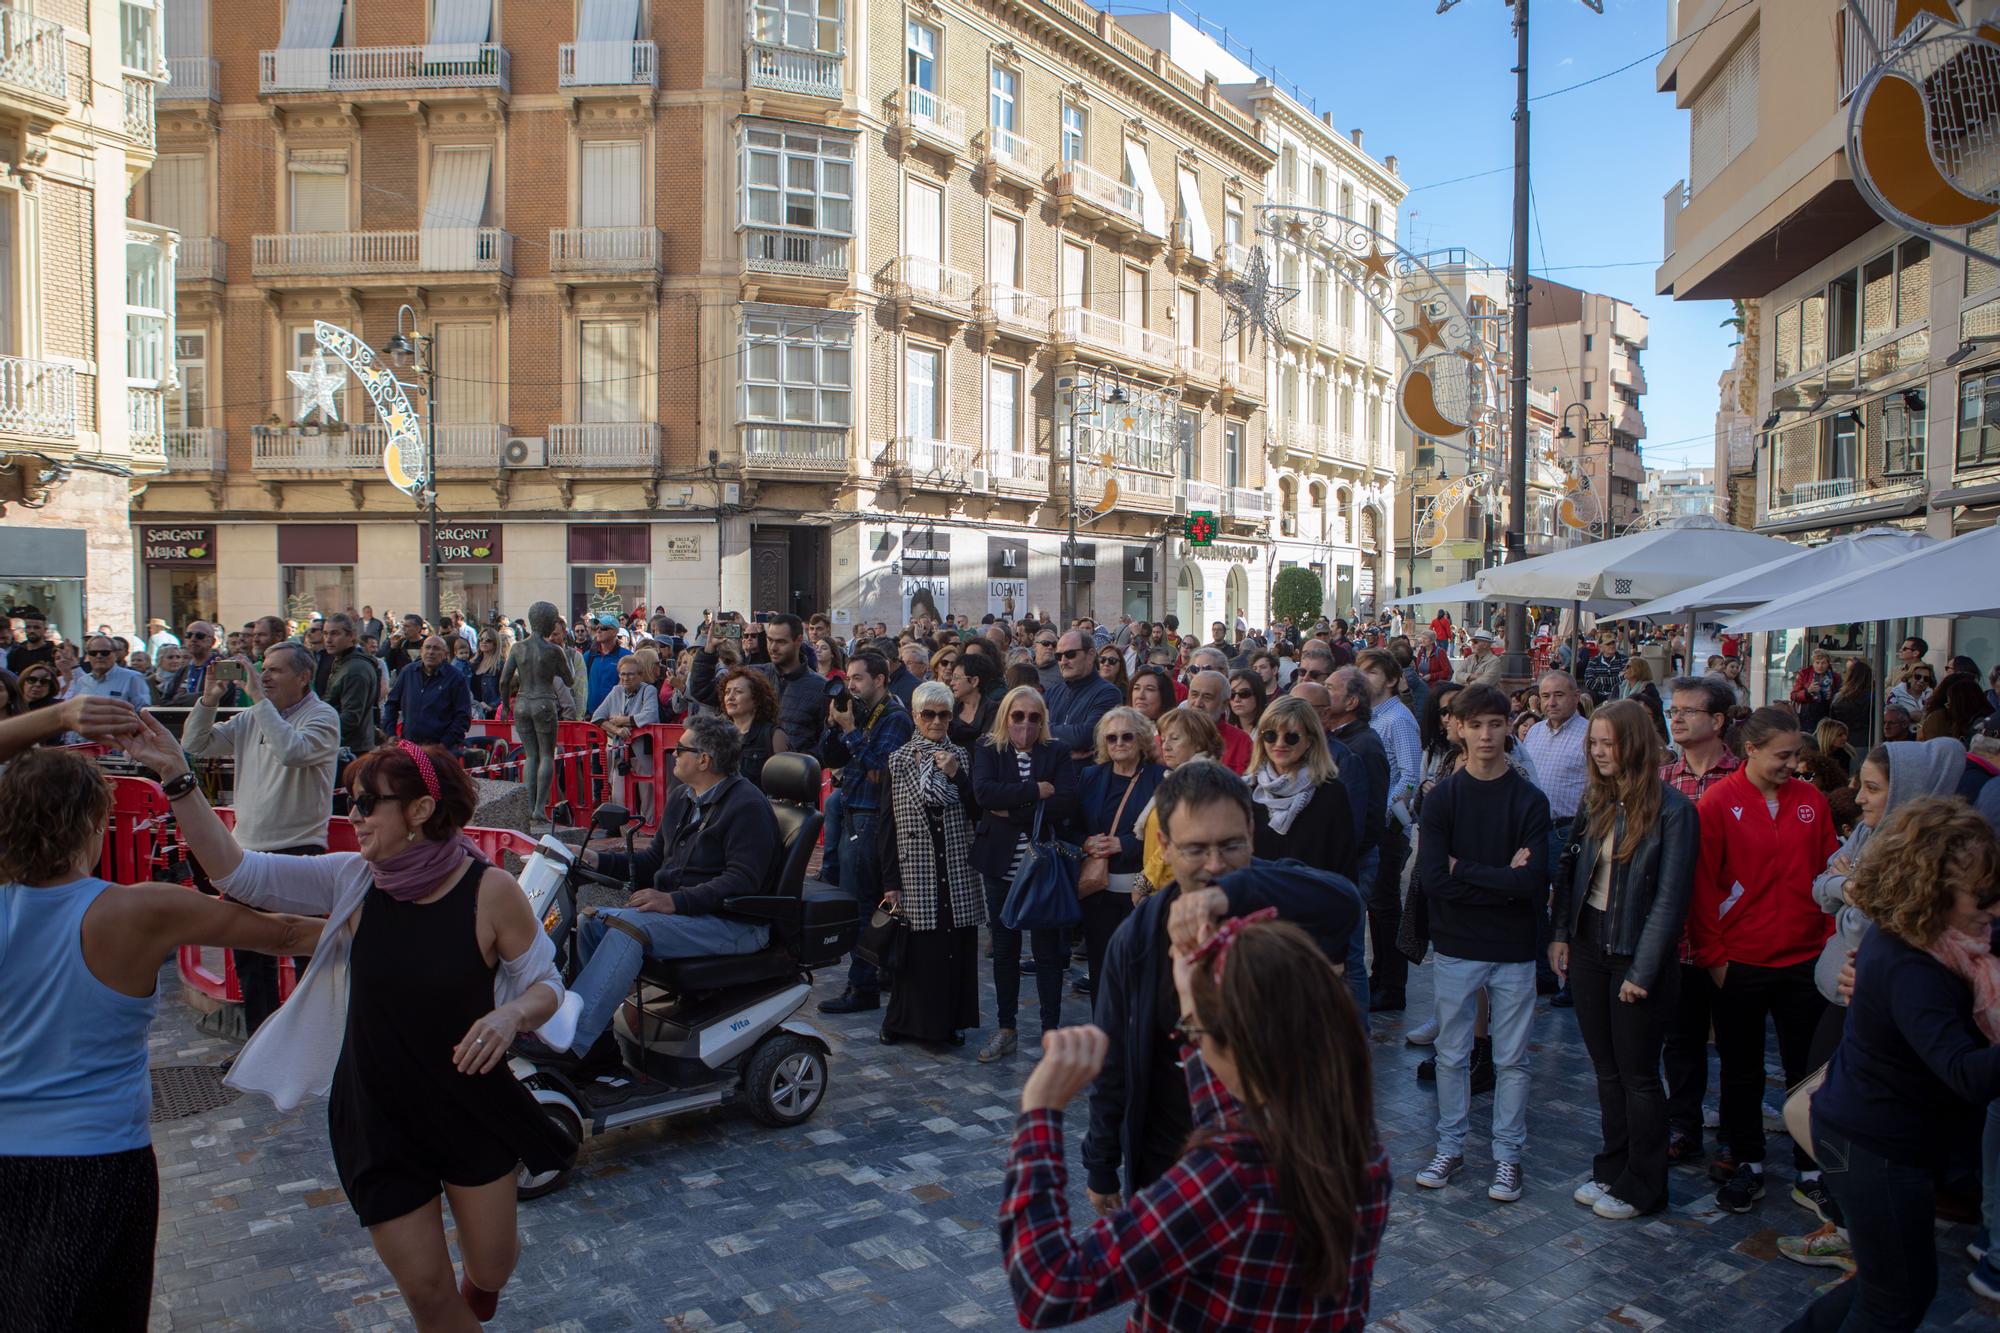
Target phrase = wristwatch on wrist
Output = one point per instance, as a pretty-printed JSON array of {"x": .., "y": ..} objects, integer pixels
[{"x": 175, "y": 788}]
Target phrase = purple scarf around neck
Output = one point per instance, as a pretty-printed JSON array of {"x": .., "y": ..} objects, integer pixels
[{"x": 417, "y": 870}]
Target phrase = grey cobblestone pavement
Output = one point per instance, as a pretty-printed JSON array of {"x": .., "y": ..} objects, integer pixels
[{"x": 879, "y": 1214}]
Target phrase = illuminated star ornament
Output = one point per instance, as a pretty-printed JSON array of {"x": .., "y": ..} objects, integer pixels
[
  {"x": 1253, "y": 300},
  {"x": 319, "y": 384}
]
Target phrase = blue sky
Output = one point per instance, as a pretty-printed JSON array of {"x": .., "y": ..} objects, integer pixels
[{"x": 1436, "y": 91}]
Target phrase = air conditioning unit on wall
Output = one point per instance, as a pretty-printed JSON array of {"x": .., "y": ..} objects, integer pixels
[
  {"x": 525, "y": 451},
  {"x": 978, "y": 480}
]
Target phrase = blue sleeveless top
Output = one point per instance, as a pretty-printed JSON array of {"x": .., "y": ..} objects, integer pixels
[{"x": 73, "y": 1079}]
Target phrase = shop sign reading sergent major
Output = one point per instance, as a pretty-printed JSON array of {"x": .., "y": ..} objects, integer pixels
[
  {"x": 468, "y": 543},
  {"x": 177, "y": 546}
]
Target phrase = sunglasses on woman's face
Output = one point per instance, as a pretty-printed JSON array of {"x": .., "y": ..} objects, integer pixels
[
  {"x": 1107, "y": 661},
  {"x": 1018, "y": 716},
  {"x": 1119, "y": 738},
  {"x": 364, "y": 803},
  {"x": 935, "y": 714},
  {"x": 42, "y": 681},
  {"x": 1282, "y": 737},
  {"x": 1242, "y": 694}
]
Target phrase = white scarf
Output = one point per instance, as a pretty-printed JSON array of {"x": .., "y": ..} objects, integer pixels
[{"x": 1283, "y": 797}]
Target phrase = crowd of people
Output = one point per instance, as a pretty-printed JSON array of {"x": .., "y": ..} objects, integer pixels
[{"x": 1267, "y": 833}]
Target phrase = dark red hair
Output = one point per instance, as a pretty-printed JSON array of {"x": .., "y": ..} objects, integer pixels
[{"x": 389, "y": 770}]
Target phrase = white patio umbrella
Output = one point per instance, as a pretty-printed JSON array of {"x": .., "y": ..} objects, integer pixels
[
  {"x": 1805, "y": 567},
  {"x": 1952, "y": 578},
  {"x": 1470, "y": 591},
  {"x": 1637, "y": 567}
]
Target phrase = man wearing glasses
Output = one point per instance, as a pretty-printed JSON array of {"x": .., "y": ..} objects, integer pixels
[
  {"x": 104, "y": 678},
  {"x": 1080, "y": 697},
  {"x": 1045, "y": 658},
  {"x": 183, "y": 688}
]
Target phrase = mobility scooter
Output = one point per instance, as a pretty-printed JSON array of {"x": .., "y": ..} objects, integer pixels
[{"x": 701, "y": 1032}]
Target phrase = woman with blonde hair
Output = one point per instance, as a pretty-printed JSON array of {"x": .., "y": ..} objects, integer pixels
[
  {"x": 1018, "y": 773},
  {"x": 1303, "y": 813},
  {"x": 1904, "y": 1099},
  {"x": 1114, "y": 792},
  {"x": 1622, "y": 890},
  {"x": 1184, "y": 734}
]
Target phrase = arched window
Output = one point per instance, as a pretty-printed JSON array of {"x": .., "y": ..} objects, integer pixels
[
  {"x": 1342, "y": 511},
  {"x": 1371, "y": 522},
  {"x": 1316, "y": 495},
  {"x": 1288, "y": 506}
]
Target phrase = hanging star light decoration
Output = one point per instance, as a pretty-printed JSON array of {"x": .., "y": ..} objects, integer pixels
[
  {"x": 1253, "y": 300},
  {"x": 1425, "y": 330},
  {"x": 319, "y": 384}
]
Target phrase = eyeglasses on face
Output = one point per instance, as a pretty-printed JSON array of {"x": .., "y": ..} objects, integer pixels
[
  {"x": 1271, "y": 736},
  {"x": 1242, "y": 694},
  {"x": 46, "y": 682},
  {"x": 1120, "y": 737},
  {"x": 688, "y": 749},
  {"x": 1018, "y": 715},
  {"x": 99, "y": 652},
  {"x": 1045, "y": 643},
  {"x": 364, "y": 803},
  {"x": 1108, "y": 661},
  {"x": 1068, "y": 653},
  {"x": 935, "y": 714}
]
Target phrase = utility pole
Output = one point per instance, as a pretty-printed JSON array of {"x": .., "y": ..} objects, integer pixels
[{"x": 1517, "y": 424}]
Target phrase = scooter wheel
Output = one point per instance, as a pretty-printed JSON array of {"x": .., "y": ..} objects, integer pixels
[
  {"x": 786, "y": 1080},
  {"x": 533, "y": 1185}
]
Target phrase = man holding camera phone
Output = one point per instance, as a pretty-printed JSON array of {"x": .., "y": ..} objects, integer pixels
[
  {"x": 865, "y": 725},
  {"x": 802, "y": 694}
]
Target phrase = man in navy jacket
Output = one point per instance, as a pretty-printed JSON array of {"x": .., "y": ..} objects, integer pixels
[
  {"x": 1080, "y": 699},
  {"x": 432, "y": 701},
  {"x": 1139, "y": 1112}
]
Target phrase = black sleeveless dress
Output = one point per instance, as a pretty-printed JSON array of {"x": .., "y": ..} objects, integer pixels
[{"x": 403, "y": 1120}]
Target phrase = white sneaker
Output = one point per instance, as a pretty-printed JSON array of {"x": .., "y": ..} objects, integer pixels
[
  {"x": 1506, "y": 1186},
  {"x": 1423, "y": 1034},
  {"x": 1590, "y": 1191},
  {"x": 1439, "y": 1173},
  {"x": 1613, "y": 1208}
]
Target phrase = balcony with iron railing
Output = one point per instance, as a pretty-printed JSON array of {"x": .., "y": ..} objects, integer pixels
[
  {"x": 933, "y": 120},
  {"x": 1086, "y": 190},
  {"x": 1088, "y": 330},
  {"x": 469, "y": 447},
  {"x": 1005, "y": 153},
  {"x": 1021, "y": 313},
  {"x": 1233, "y": 257},
  {"x": 138, "y": 116},
  {"x": 34, "y": 63},
  {"x": 192, "y": 79},
  {"x": 1809, "y": 476},
  {"x": 1248, "y": 505},
  {"x": 390, "y": 69},
  {"x": 146, "y": 423},
  {"x": 196, "y": 450},
  {"x": 780, "y": 67},
  {"x": 343, "y": 254},
  {"x": 605, "y": 250},
  {"x": 629, "y": 64},
  {"x": 624, "y": 446},
  {"x": 1019, "y": 473},
  {"x": 921, "y": 283},
  {"x": 202, "y": 259},
  {"x": 37, "y": 398},
  {"x": 785, "y": 252},
  {"x": 930, "y": 465},
  {"x": 1203, "y": 497},
  {"x": 1137, "y": 489},
  {"x": 340, "y": 448},
  {"x": 820, "y": 450},
  {"x": 1198, "y": 363}
]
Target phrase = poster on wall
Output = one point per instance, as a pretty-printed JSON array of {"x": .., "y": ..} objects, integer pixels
[
  {"x": 1007, "y": 577},
  {"x": 926, "y": 567}
]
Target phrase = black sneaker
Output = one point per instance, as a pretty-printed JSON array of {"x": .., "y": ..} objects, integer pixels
[
  {"x": 1387, "y": 1001},
  {"x": 1683, "y": 1148},
  {"x": 1562, "y": 999},
  {"x": 1810, "y": 1192},
  {"x": 851, "y": 1002},
  {"x": 1427, "y": 1070},
  {"x": 1482, "y": 1072},
  {"x": 1741, "y": 1190}
]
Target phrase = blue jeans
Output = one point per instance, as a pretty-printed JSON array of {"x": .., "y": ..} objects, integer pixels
[
  {"x": 1989, "y": 1172},
  {"x": 861, "y": 880},
  {"x": 1357, "y": 943},
  {"x": 1510, "y": 993},
  {"x": 829, "y": 861},
  {"x": 1051, "y": 962},
  {"x": 1559, "y": 835},
  {"x": 1889, "y": 1208},
  {"x": 612, "y": 958}
]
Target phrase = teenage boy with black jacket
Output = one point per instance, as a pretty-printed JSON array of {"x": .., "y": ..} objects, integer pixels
[{"x": 1483, "y": 861}]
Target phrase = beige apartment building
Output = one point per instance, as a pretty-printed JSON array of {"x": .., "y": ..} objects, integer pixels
[
  {"x": 771, "y": 303},
  {"x": 1876, "y": 375},
  {"x": 86, "y": 304},
  {"x": 1584, "y": 348}
]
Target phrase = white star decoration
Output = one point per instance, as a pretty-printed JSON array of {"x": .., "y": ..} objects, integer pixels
[{"x": 319, "y": 385}]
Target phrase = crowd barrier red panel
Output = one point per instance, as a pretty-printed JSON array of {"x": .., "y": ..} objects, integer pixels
[
  {"x": 135, "y": 838},
  {"x": 580, "y": 776},
  {"x": 645, "y": 795},
  {"x": 493, "y": 728}
]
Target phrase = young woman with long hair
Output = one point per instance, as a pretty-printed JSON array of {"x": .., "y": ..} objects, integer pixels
[
  {"x": 1621, "y": 899},
  {"x": 1111, "y": 666},
  {"x": 1272, "y": 1216},
  {"x": 1303, "y": 813},
  {"x": 1247, "y": 699}
]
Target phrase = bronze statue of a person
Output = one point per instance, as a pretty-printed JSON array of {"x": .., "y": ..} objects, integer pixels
[{"x": 529, "y": 677}]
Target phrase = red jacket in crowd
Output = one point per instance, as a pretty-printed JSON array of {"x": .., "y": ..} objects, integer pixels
[{"x": 1753, "y": 898}]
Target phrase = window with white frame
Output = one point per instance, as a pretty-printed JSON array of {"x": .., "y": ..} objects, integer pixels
[
  {"x": 149, "y": 300},
  {"x": 1318, "y": 196},
  {"x": 1288, "y": 171},
  {"x": 466, "y": 373},
  {"x": 921, "y": 56},
  {"x": 1232, "y": 454},
  {"x": 1288, "y": 393},
  {"x": 611, "y": 355},
  {"x": 798, "y": 179},
  {"x": 804, "y": 25},
  {"x": 1187, "y": 316},
  {"x": 139, "y": 38},
  {"x": 1003, "y": 410},
  {"x": 1319, "y": 401},
  {"x": 1074, "y": 285},
  {"x": 1134, "y": 304},
  {"x": 798, "y": 369},
  {"x": 187, "y": 401},
  {"x": 611, "y": 183},
  {"x": 305, "y": 350},
  {"x": 1347, "y": 411},
  {"x": 1075, "y": 122},
  {"x": 1374, "y": 411},
  {"x": 1232, "y": 220},
  {"x": 1003, "y": 101},
  {"x": 1346, "y": 200},
  {"x": 1374, "y": 217},
  {"x": 923, "y": 392},
  {"x": 319, "y": 189},
  {"x": 1723, "y": 115},
  {"x": 1003, "y": 250}
]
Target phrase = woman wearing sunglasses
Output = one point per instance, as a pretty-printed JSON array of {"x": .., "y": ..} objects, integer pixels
[
  {"x": 1247, "y": 699},
  {"x": 1017, "y": 771},
  {"x": 1111, "y": 667},
  {"x": 39, "y": 689},
  {"x": 927, "y": 874},
  {"x": 1115, "y": 791},
  {"x": 1302, "y": 809},
  {"x": 431, "y": 963}
]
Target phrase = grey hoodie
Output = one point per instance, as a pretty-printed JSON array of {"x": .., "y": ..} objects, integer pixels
[{"x": 1916, "y": 768}]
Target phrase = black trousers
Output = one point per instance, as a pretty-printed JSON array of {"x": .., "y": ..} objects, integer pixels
[
  {"x": 257, "y": 973},
  {"x": 1889, "y": 1210},
  {"x": 1624, "y": 1040},
  {"x": 1103, "y": 912},
  {"x": 1385, "y": 912},
  {"x": 1685, "y": 1056},
  {"x": 1751, "y": 995}
]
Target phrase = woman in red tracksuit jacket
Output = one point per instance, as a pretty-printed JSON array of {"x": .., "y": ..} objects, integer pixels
[{"x": 1755, "y": 927}]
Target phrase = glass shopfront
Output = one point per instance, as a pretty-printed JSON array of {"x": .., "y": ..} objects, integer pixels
[
  {"x": 179, "y": 563},
  {"x": 610, "y": 568},
  {"x": 469, "y": 556},
  {"x": 44, "y": 569},
  {"x": 316, "y": 565}
]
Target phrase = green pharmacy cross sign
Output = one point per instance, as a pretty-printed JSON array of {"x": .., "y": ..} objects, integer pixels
[{"x": 1199, "y": 528}]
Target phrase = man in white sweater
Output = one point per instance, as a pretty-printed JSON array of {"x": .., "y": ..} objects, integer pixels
[{"x": 286, "y": 747}]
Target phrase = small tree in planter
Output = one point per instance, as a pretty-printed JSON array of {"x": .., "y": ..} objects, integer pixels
[{"x": 1298, "y": 593}]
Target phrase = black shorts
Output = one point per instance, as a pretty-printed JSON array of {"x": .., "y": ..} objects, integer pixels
[{"x": 76, "y": 1242}]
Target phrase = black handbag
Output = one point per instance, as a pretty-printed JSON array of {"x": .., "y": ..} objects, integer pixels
[{"x": 885, "y": 939}]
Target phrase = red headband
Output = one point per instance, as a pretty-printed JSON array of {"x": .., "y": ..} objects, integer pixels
[
  {"x": 1225, "y": 935},
  {"x": 425, "y": 771}
]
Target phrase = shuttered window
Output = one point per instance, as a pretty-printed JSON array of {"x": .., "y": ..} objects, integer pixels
[
  {"x": 457, "y": 29},
  {"x": 1003, "y": 410},
  {"x": 921, "y": 372},
  {"x": 613, "y": 357},
  {"x": 186, "y": 28},
  {"x": 179, "y": 183},
  {"x": 1003, "y": 250},
  {"x": 1724, "y": 115},
  {"x": 1199, "y": 242},
  {"x": 319, "y": 190},
  {"x": 466, "y": 374},
  {"x": 613, "y": 184},
  {"x": 605, "y": 30},
  {"x": 455, "y": 208}
]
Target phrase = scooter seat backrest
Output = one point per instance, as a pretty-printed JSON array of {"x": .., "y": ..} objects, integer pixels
[
  {"x": 792, "y": 783},
  {"x": 792, "y": 777}
]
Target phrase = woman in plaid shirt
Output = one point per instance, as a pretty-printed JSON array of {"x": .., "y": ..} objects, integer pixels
[{"x": 1272, "y": 1217}]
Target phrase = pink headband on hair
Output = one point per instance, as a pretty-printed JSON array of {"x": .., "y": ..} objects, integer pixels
[
  {"x": 429, "y": 774},
  {"x": 1225, "y": 935}
]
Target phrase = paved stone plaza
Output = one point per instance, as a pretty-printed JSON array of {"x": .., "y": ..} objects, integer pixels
[{"x": 879, "y": 1214}]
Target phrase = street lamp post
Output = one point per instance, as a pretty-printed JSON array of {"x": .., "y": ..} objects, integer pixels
[
  {"x": 414, "y": 351},
  {"x": 1078, "y": 405},
  {"x": 1595, "y": 429}
]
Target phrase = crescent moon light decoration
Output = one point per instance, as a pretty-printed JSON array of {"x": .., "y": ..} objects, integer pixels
[{"x": 403, "y": 452}]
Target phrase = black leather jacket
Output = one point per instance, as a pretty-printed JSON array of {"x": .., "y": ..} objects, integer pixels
[{"x": 1650, "y": 892}]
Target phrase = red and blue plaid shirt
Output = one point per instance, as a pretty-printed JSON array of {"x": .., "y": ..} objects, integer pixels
[
  {"x": 1676, "y": 774},
  {"x": 1205, "y": 1247}
]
